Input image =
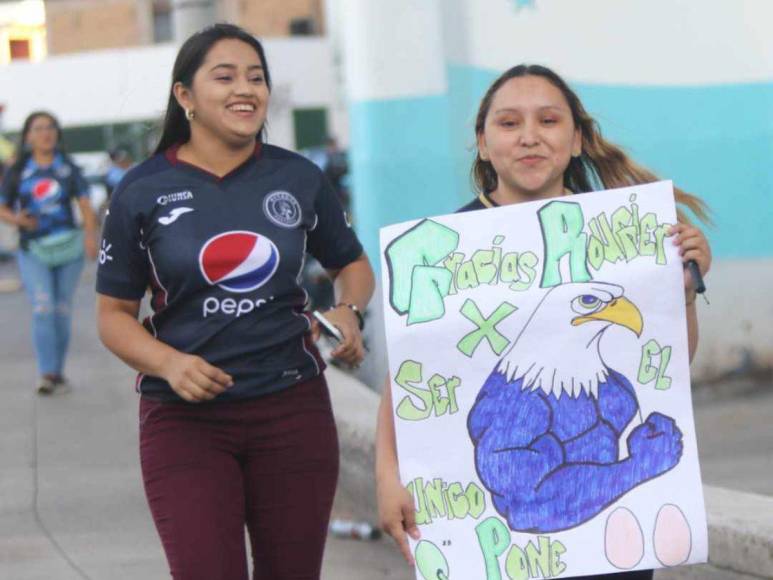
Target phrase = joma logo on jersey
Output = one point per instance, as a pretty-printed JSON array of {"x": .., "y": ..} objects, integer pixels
[
  {"x": 173, "y": 197},
  {"x": 173, "y": 215}
]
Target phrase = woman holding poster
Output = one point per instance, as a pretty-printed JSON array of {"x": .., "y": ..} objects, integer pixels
[{"x": 535, "y": 142}]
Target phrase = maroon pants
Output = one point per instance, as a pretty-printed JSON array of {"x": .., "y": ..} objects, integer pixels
[{"x": 269, "y": 463}]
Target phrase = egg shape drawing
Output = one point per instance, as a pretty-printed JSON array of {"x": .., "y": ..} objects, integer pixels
[
  {"x": 623, "y": 539},
  {"x": 672, "y": 537}
]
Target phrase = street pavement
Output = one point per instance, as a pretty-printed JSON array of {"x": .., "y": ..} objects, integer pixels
[
  {"x": 72, "y": 505},
  {"x": 71, "y": 500}
]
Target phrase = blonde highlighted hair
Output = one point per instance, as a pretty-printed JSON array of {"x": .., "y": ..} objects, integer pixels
[{"x": 600, "y": 161}]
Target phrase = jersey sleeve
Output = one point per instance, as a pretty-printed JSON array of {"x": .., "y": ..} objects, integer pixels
[
  {"x": 123, "y": 270},
  {"x": 332, "y": 241}
]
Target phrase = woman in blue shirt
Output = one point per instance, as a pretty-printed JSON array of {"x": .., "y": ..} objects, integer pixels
[{"x": 36, "y": 196}]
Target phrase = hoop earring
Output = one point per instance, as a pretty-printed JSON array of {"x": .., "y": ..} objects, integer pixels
[{"x": 189, "y": 114}]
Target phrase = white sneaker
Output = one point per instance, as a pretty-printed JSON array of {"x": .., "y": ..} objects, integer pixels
[{"x": 46, "y": 386}]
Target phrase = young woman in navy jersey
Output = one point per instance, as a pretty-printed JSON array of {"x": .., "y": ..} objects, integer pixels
[
  {"x": 236, "y": 426},
  {"x": 535, "y": 141},
  {"x": 36, "y": 196}
]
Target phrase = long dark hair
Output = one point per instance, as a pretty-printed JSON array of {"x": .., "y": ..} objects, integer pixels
[
  {"x": 23, "y": 152},
  {"x": 189, "y": 59},
  {"x": 601, "y": 161}
]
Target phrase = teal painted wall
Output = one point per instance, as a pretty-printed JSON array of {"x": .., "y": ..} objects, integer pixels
[
  {"x": 401, "y": 166},
  {"x": 411, "y": 157}
]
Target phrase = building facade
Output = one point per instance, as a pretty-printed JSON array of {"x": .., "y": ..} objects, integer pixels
[
  {"x": 86, "y": 25},
  {"x": 22, "y": 31},
  {"x": 117, "y": 55}
]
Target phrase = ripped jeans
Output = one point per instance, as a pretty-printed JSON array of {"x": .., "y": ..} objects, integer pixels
[{"x": 50, "y": 291}]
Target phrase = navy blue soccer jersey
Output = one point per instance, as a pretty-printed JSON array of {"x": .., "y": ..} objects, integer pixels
[
  {"x": 223, "y": 257},
  {"x": 46, "y": 193},
  {"x": 482, "y": 201}
]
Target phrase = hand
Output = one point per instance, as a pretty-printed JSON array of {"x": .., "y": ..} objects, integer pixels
[
  {"x": 25, "y": 221},
  {"x": 656, "y": 445},
  {"x": 692, "y": 246},
  {"x": 90, "y": 245},
  {"x": 194, "y": 379},
  {"x": 397, "y": 514},
  {"x": 350, "y": 350}
]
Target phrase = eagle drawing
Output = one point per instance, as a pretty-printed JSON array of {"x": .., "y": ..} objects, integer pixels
[{"x": 547, "y": 422}]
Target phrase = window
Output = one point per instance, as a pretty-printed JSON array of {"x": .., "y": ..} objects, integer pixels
[
  {"x": 310, "y": 127},
  {"x": 301, "y": 27},
  {"x": 162, "y": 21},
  {"x": 20, "y": 49}
]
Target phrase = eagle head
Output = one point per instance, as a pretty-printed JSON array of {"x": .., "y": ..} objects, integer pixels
[{"x": 558, "y": 348}]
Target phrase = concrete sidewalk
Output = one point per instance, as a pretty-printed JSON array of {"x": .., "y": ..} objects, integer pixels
[{"x": 71, "y": 500}]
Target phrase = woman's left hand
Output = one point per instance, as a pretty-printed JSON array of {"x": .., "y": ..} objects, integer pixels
[
  {"x": 693, "y": 245},
  {"x": 90, "y": 245},
  {"x": 351, "y": 350}
]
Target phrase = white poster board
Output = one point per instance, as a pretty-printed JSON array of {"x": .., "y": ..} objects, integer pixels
[{"x": 541, "y": 389}]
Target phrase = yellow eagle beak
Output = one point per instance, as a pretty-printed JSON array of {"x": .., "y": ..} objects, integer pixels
[{"x": 620, "y": 311}]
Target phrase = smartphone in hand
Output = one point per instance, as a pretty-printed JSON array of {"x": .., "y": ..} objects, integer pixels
[{"x": 327, "y": 327}]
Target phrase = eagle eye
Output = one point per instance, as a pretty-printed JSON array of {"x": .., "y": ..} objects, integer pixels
[{"x": 586, "y": 304}]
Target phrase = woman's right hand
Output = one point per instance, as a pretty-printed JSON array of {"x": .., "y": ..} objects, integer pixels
[
  {"x": 193, "y": 378},
  {"x": 25, "y": 221},
  {"x": 397, "y": 514}
]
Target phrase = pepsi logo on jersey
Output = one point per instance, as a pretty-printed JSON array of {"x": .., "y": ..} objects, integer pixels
[
  {"x": 46, "y": 190},
  {"x": 237, "y": 261}
]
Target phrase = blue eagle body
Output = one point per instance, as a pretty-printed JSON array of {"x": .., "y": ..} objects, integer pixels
[{"x": 552, "y": 462}]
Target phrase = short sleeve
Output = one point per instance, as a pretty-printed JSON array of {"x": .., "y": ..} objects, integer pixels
[
  {"x": 332, "y": 241},
  {"x": 123, "y": 270}
]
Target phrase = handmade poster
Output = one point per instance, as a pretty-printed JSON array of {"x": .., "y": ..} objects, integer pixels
[{"x": 541, "y": 390}]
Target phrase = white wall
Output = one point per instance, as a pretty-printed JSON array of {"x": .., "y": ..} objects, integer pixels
[
  {"x": 114, "y": 86},
  {"x": 25, "y": 13},
  {"x": 652, "y": 42}
]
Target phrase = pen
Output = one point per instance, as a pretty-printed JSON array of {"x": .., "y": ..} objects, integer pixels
[{"x": 697, "y": 279}]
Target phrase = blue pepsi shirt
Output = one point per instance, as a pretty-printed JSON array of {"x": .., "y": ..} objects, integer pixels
[
  {"x": 223, "y": 258},
  {"x": 46, "y": 193}
]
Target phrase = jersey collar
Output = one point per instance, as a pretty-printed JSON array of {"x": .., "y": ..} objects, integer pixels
[
  {"x": 32, "y": 166},
  {"x": 486, "y": 200},
  {"x": 171, "y": 157}
]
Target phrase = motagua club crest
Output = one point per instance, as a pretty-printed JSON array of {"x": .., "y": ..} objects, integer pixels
[{"x": 283, "y": 209}]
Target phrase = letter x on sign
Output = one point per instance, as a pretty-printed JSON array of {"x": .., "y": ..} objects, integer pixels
[{"x": 486, "y": 328}]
